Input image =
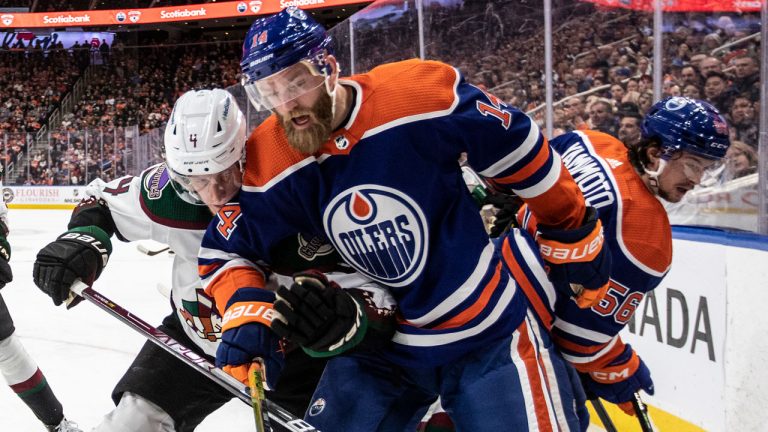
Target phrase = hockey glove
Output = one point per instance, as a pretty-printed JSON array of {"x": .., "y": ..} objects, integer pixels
[
  {"x": 78, "y": 253},
  {"x": 618, "y": 381},
  {"x": 504, "y": 217},
  {"x": 319, "y": 315},
  {"x": 246, "y": 336},
  {"x": 6, "y": 275},
  {"x": 579, "y": 258}
]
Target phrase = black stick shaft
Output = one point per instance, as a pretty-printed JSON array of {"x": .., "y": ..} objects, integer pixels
[{"x": 276, "y": 413}]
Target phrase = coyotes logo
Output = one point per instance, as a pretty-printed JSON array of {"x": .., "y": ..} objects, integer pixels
[{"x": 201, "y": 316}]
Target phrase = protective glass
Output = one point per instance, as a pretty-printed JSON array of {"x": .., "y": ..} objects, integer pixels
[{"x": 284, "y": 86}]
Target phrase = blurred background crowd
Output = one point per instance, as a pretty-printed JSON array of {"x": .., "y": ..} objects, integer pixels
[{"x": 602, "y": 75}]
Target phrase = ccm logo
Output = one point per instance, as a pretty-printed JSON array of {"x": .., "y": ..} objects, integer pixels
[
  {"x": 557, "y": 252},
  {"x": 610, "y": 377}
]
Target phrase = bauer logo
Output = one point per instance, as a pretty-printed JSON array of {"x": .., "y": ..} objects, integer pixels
[
  {"x": 242, "y": 7},
  {"x": 134, "y": 16},
  {"x": 380, "y": 231},
  {"x": 7, "y": 19},
  {"x": 120, "y": 16},
  {"x": 317, "y": 407}
]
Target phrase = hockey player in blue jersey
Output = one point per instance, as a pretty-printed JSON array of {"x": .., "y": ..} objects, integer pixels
[
  {"x": 371, "y": 163},
  {"x": 682, "y": 141},
  {"x": 172, "y": 202}
]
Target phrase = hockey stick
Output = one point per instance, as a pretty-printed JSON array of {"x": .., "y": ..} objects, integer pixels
[
  {"x": 275, "y": 412},
  {"x": 602, "y": 414},
  {"x": 641, "y": 411},
  {"x": 152, "y": 249}
]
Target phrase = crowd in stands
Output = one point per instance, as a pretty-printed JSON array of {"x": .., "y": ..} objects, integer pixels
[
  {"x": 602, "y": 64},
  {"x": 33, "y": 83}
]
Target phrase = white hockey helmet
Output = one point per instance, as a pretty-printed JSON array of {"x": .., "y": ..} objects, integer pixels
[{"x": 205, "y": 135}]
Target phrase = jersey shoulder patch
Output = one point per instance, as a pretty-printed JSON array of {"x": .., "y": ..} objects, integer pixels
[{"x": 162, "y": 204}]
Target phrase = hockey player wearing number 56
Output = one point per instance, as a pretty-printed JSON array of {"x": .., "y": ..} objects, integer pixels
[
  {"x": 173, "y": 205},
  {"x": 370, "y": 163},
  {"x": 683, "y": 141}
]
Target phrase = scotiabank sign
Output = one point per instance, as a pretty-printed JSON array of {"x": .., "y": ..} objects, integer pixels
[
  {"x": 685, "y": 5},
  {"x": 140, "y": 16}
]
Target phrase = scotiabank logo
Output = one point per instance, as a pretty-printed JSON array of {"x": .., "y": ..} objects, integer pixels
[
  {"x": 134, "y": 16},
  {"x": 299, "y": 3},
  {"x": 7, "y": 19},
  {"x": 67, "y": 19},
  {"x": 183, "y": 13},
  {"x": 746, "y": 4}
]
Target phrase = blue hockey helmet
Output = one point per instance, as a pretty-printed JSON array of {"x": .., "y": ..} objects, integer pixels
[
  {"x": 690, "y": 125},
  {"x": 275, "y": 44}
]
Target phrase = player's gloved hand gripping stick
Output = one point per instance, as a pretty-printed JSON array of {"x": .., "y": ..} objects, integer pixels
[{"x": 275, "y": 413}]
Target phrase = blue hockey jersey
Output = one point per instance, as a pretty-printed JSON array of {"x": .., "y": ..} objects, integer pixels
[
  {"x": 638, "y": 234},
  {"x": 386, "y": 189}
]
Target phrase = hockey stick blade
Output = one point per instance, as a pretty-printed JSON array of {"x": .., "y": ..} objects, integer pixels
[
  {"x": 276, "y": 413},
  {"x": 155, "y": 248}
]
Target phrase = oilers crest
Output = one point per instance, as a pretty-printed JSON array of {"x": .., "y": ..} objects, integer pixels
[{"x": 380, "y": 231}]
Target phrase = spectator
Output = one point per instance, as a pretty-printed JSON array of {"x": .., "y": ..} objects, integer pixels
[
  {"x": 692, "y": 91},
  {"x": 715, "y": 86},
  {"x": 601, "y": 117},
  {"x": 747, "y": 76},
  {"x": 709, "y": 65},
  {"x": 688, "y": 76},
  {"x": 740, "y": 160},
  {"x": 629, "y": 128},
  {"x": 743, "y": 121}
]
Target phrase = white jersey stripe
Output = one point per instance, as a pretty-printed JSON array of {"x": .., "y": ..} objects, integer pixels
[
  {"x": 581, "y": 332},
  {"x": 525, "y": 384},
  {"x": 529, "y": 256},
  {"x": 549, "y": 369},
  {"x": 462, "y": 293},
  {"x": 552, "y": 177},
  {"x": 589, "y": 359},
  {"x": 278, "y": 178},
  {"x": 516, "y": 155},
  {"x": 233, "y": 263},
  {"x": 418, "y": 117},
  {"x": 431, "y": 339}
]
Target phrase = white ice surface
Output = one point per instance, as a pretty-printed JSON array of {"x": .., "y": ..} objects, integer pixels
[{"x": 84, "y": 351}]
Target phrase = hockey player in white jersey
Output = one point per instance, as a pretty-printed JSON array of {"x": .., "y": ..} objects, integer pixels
[
  {"x": 19, "y": 369},
  {"x": 159, "y": 392}
]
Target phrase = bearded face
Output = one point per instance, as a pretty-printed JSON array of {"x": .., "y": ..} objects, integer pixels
[{"x": 308, "y": 128}]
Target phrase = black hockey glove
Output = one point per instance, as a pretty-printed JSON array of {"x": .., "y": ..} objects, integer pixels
[
  {"x": 506, "y": 209},
  {"x": 6, "y": 275},
  {"x": 319, "y": 315},
  {"x": 78, "y": 253}
]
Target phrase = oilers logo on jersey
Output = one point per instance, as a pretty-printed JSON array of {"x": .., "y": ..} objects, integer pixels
[{"x": 380, "y": 231}]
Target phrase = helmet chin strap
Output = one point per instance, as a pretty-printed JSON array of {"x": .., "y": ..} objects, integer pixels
[{"x": 653, "y": 176}]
